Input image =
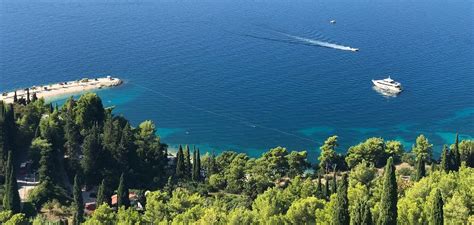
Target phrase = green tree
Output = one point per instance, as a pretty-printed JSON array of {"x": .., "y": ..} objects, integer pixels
[
  {"x": 297, "y": 163},
  {"x": 91, "y": 150},
  {"x": 8, "y": 132},
  {"x": 277, "y": 162},
  {"x": 152, "y": 155},
  {"x": 373, "y": 150},
  {"x": 327, "y": 191},
  {"x": 445, "y": 159},
  {"x": 180, "y": 164},
  {"x": 394, "y": 149},
  {"x": 319, "y": 188},
  {"x": 437, "y": 217},
  {"x": 302, "y": 211},
  {"x": 362, "y": 214},
  {"x": 187, "y": 162},
  {"x": 78, "y": 204},
  {"x": 420, "y": 169},
  {"x": 334, "y": 182},
  {"x": 235, "y": 173},
  {"x": 11, "y": 198},
  {"x": 328, "y": 155},
  {"x": 73, "y": 140},
  {"x": 196, "y": 166},
  {"x": 389, "y": 198},
  {"x": 423, "y": 148},
  {"x": 47, "y": 166},
  {"x": 466, "y": 148},
  {"x": 122, "y": 193},
  {"x": 341, "y": 214},
  {"x": 102, "y": 196},
  {"x": 89, "y": 111},
  {"x": 455, "y": 155}
]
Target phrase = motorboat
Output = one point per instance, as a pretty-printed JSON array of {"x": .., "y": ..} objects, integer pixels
[{"x": 388, "y": 84}]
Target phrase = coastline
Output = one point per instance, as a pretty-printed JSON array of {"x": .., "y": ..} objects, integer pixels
[{"x": 61, "y": 89}]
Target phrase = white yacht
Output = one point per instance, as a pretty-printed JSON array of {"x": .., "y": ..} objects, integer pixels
[
  {"x": 388, "y": 84},
  {"x": 332, "y": 21}
]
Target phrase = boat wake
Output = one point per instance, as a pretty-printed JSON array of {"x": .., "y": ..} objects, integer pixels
[
  {"x": 321, "y": 43},
  {"x": 307, "y": 41}
]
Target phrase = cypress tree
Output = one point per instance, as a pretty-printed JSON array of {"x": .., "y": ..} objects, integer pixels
[
  {"x": 11, "y": 198},
  {"x": 34, "y": 97},
  {"x": 362, "y": 213},
  {"x": 389, "y": 198},
  {"x": 341, "y": 213},
  {"x": 437, "y": 217},
  {"x": 319, "y": 188},
  {"x": 198, "y": 165},
  {"x": 455, "y": 155},
  {"x": 28, "y": 96},
  {"x": 334, "y": 183},
  {"x": 101, "y": 195},
  {"x": 180, "y": 166},
  {"x": 122, "y": 193},
  {"x": 91, "y": 150},
  {"x": 445, "y": 159},
  {"x": 187, "y": 162},
  {"x": 420, "y": 169},
  {"x": 51, "y": 108},
  {"x": 211, "y": 165},
  {"x": 15, "y": 98},
  {"x": 327, "y": 191},
  {"x": 78, "y": 202}
]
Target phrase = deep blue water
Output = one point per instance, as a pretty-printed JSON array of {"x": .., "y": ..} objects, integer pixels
[{"x": 222, "y": 75}]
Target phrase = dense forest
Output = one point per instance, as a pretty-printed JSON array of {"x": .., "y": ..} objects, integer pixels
[{"x": 81, "y": 164}]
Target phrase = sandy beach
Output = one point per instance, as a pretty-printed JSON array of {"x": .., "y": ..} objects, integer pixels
[{"x": 64, "y": 88}]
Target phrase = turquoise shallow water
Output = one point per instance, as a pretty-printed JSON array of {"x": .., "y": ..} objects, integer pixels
[{"x": 227, "y": 74}]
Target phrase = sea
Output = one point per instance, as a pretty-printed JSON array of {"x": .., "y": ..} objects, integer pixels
[{"x": 251, "y": 75}]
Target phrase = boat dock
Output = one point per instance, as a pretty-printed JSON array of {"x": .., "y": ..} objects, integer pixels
[{"x": 60, "y": 89}]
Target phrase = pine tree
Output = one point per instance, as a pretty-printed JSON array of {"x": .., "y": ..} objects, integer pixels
[
  {"x": 180, "y": 165},
  {"x": 362, "y": 214},
  {"x": 122, "y": 193},
  {"x": 187, "y": 162},
  {"x": 437, "y": 217},
  {"x": 101, "y": 195},
  {"x": 78, "y": 202},
  {"x": 420, "y": 169},
  {"x": 319, "y": 188},
  {"x": 11, "y": 198},
  {"x": 445, "y": 159},
  {"x": 455, "y": 155},
  {"x": 389, "y": 198},
  {"x": 341, "y": 213}
]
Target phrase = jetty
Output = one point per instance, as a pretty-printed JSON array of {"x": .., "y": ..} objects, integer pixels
[{"x": 60, "y": 89}]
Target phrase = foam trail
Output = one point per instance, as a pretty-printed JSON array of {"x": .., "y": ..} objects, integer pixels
[{"x": 322, "y": 43}]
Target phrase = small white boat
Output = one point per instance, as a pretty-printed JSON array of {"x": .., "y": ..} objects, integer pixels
[
  {"x": 388, "y": 84},
  {"x": 332, "y": 21}
]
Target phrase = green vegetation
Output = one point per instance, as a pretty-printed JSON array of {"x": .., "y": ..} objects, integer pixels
[{"x": 83, "y": 147}]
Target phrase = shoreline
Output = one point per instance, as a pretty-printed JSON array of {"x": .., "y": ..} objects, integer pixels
[{"x": 60, "y": 89}]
